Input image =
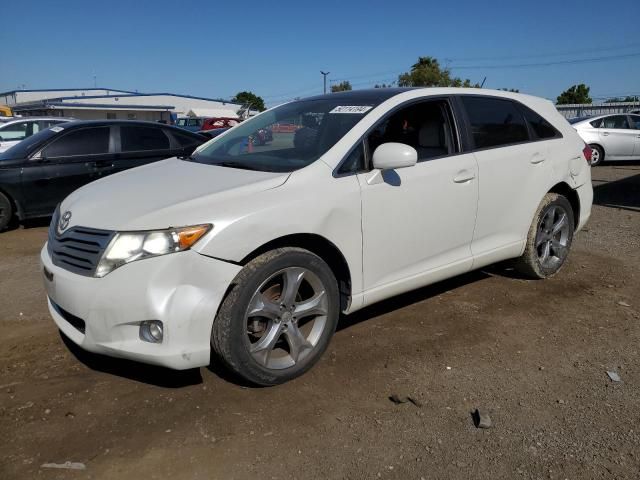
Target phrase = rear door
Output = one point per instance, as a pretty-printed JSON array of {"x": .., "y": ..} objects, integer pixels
[
  {"x": 139, "y": 145},
  {"x": 617, "y": 137},
  {"x": 514, "y": 171},
  {"x": 62, "y": 166}
]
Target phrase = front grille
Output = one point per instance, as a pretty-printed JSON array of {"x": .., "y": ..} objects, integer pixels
[
  {"x": 78, "y": 249},
  {"x": 75, "y": 322}
]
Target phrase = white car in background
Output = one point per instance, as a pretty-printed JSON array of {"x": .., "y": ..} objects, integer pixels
[
  {"x": 611, "y": 137},
  {"x": 17, "y": 129},
  {"x": 251, "y": 252}
]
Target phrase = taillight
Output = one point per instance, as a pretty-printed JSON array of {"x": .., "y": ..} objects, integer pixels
[{"x": 586, "y": 151}]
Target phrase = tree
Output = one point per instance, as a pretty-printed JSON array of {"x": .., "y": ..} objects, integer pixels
[
  {"x": 343, "y": 86},
  {"x": 575, "y": 94},
  {"x": 427, "y": 72},
  {"x": 514, "y": 90},
  {"x": 384, "y": 85},
  {"x": 251, "y": 99}
]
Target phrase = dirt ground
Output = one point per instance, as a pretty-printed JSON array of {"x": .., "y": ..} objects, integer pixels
[{"x": 533, "y": 354}]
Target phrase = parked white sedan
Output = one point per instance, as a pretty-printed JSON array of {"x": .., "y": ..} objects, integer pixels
[
  {"x": 611, "y": 137},
  {"x": 17, "y": 129},
  {"x": 252, "y": 252}
]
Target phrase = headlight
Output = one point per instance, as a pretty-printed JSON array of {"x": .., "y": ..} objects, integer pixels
[{"x": 127, "y": 247}]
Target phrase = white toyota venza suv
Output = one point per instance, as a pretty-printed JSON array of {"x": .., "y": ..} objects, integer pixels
[{"x": 247, "y": 253}]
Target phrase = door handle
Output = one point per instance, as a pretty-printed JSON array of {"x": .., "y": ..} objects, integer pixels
[
  {"x": 537, "y": 158},
  {"x": 605, "y": 134},
  {"x": 464, "y": 176}
]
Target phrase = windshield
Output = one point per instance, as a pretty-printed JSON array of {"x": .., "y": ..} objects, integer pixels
[
  {"x": 30, "y": 144},
  {"x": 286, "y": 138}
]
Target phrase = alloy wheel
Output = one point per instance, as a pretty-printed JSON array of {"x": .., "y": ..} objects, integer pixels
[
  {"x": 552, "y": 237},
  {"x": 286, "y": 317}
]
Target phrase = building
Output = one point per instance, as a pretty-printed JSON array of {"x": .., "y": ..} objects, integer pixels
[{"x": 109, "y": 103}]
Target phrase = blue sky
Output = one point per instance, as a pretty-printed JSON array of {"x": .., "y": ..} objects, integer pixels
[{"x": 277, "y": 48}]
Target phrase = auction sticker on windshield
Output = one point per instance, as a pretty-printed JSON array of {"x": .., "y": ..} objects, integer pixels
[
  {"x": 351, "y": 109},
  {"x": 56, "y": 129}
]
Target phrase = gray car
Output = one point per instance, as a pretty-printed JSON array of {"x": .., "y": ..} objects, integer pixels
[{"x": 19, "y": 128}]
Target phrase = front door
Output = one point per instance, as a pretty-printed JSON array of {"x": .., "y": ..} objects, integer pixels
[
  {"x": 63, "y": 166},
  {"x": 417, "y": 219},
  {"x": 635, "y": 125}
]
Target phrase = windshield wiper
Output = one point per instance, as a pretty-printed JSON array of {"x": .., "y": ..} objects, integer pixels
[{"x": 240, "y": 165}]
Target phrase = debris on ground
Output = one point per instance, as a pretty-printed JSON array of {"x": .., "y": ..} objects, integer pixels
[
  {"x": 65, "y": 465},
  {"x": 398, "y": 399},
  {"x": 614, "y": 376},
  {"x": 623, "y": 304},
  {"x": 481, "y": 419}
]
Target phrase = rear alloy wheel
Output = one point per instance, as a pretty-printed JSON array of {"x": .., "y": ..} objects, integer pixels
[
  {"x": 597, "y": 155},
  {"x": 549, "y": 238},
  {"x": 278, "y": 318},
  {"x": 6, "y": 211}
]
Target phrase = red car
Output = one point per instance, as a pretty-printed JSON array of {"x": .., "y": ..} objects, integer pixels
[{"x": 219, "y": 122}]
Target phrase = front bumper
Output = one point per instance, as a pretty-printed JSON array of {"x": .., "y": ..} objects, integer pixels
[{"x": 183, "y": 290}]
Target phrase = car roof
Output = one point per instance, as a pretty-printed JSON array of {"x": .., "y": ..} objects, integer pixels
[
  {"x": 35, "y": 119},
  {"x": 106, "y": 123}
]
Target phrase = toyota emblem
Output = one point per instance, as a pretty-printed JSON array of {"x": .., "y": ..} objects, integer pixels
[{"x": 64, "y": 221}]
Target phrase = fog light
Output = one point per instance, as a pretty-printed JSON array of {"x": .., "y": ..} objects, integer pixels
[{"x": 151, "y": 331}]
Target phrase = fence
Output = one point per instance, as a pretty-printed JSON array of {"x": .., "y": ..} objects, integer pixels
[{"x": 586, "y": 110}]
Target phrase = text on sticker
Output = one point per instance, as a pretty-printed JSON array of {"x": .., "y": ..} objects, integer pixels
[{"x": 351, "y": 109}]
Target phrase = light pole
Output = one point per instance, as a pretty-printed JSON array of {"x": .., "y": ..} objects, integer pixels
[{"x": 324, "y": 74}]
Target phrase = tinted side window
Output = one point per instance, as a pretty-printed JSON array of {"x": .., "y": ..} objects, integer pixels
[
  {"x": 185, "y": 140},
  {"x": 354, "y": 162},
  {"x": 136, "y": 139},
  {"x": 635, "y": 120},
  {"x": 615, "y": 121},
  {"x": 88, "y": 141},
  {"x": 541, "y": 128},
  {"x": 494, "y": 122}
]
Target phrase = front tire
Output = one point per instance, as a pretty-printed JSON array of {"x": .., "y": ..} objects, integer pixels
[
  {"x": 549, "y": 239},
  {"x": 278, "y": 317},
  {"x": 597, "y": 155},
  {"x": 6, "y": 211}
]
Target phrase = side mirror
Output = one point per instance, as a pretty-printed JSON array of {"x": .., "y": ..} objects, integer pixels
[{"x": 390, "y": 156}]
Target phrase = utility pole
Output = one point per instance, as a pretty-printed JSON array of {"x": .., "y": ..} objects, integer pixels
[{"x": 324, "y": 74}]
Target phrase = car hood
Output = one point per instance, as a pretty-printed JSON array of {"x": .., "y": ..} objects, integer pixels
[{"x": 163, "y": 194}]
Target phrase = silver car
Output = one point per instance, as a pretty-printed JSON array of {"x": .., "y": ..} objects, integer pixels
[
  {"x": 19, "y": 128},
  {"x": 611, "y": 137}
]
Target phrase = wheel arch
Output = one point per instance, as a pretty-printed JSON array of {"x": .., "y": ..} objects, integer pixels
[
  {"x": 17, "y": 208},
  {"x": 320, "y": 246},
  {"x": 565, "y": 190},
  {"x": 599, "y": 145}
]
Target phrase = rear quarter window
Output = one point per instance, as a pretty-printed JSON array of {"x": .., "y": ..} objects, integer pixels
[
  {"x": 540, "y": 127},
  {"x": 494, "y": 121}
]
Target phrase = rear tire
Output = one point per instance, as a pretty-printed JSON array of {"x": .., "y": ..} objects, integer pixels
[
  {"x": 6, "y": 211},
  {"x": 278, "y": 317},
  {"x": 597, "y": 155},
  {"x": 549, "y": 239}
]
